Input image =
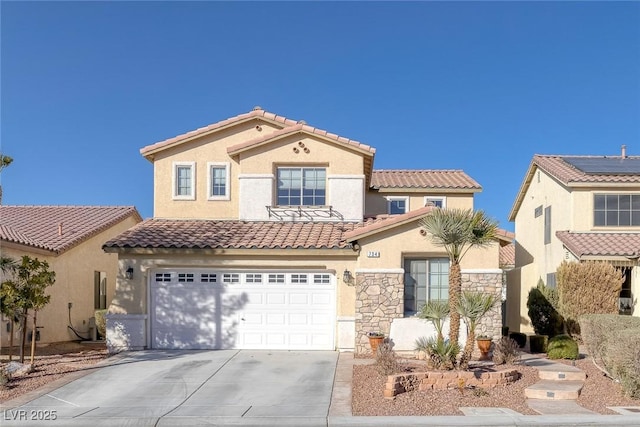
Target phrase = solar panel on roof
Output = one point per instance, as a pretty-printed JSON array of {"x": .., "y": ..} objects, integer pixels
[{"x": 605, "y": 165}]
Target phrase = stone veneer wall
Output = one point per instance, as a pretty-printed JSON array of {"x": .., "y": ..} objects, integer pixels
[
  {"x": 489, "y": 281},
  {"x": 379, "y": 299}
]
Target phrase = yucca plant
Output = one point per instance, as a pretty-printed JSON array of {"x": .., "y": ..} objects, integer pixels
[
  {"x": 473, "y": 306},
  {"x": 435, "y": 311},
  {"x": 442, "y": 354}
]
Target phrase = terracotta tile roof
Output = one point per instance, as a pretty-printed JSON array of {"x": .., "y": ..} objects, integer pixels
[
  {"x": 235, "y": 149},
  {"x": 231, "y": 234},
  {"x": 437, "y": 179},
  {"x": 601, "y": 244},
  {"x": 555, "y": 166},
  {"x": 257, "y": 112},
  {"x": 386, "y": 222},
  {"x": 507, "y": 255},
  {"x": 288, "y": 126},
  {"x": 568, "y": 174},
  {"x": 40, "y": 226}
]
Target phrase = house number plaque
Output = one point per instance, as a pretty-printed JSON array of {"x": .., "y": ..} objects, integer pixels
[{"x": 373, "y": 254}]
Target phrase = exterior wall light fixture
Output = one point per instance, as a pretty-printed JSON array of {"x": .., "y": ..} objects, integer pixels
[{"x": 129, "y": 273}]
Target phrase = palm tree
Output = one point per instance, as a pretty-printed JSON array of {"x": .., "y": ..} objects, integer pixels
[
  {"x": 4, "y": 162},
  {"x": 435, "y": 311},
  {"x": 473, "y": 306},
  {"x": 457, "y": 231}
]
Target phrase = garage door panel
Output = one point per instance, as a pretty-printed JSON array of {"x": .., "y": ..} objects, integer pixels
[{"x": 242, "y": 314}]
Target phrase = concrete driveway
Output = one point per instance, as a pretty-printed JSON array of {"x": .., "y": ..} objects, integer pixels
[{"x": 170, "y": 388}]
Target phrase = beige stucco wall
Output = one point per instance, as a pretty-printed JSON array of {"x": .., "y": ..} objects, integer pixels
[
  {"x": 406, "y": 241},
  {"x": 376, "y": 201},
  {"x": 582, "y": 200},
  {"x": 131, "y": 296},
  {"x": 210, "y": 148},
  {"x": 533, "y": 258},
  {"x": 261, "y": 160},
  {"x": 74, "y": 284}
]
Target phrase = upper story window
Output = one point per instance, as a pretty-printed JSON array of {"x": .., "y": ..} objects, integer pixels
[
  {"x": 547, "y": 225},
  {"x": 438, "y": 202},
  {"x": 218, "y": 188},
  {"x": 616, "y": 210},
  {"x": 301, "y": 187},
  {"x": 397, "y": 205},
  {"x": 184, "y": 180}
]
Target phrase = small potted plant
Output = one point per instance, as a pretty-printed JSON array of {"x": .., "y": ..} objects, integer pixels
[
  {"x": 375, "y": 339},
  {"x": 484, "y": 345}
]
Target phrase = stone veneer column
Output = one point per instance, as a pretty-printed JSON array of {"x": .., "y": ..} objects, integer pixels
[
  {"x": 379, "y": 299},
  {"x": 488, "y": 281}
]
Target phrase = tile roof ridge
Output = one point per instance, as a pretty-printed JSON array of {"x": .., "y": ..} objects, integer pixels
[{"x": 418, "y": 170}]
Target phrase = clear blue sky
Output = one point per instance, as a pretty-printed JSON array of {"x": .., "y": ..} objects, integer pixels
[{"x": 474, "y": 86}]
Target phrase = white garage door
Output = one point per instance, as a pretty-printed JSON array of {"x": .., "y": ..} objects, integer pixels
[{"x": 217, "y": 309}]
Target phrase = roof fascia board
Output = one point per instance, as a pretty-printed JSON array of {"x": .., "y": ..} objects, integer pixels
[
  {"x": 524, "y": 187},
  {"x": 599, "y": 185},
  {"x": 347, "y": 252},
  {"x": 435, "y": 190},
  {"x": 28, "y": 248}
]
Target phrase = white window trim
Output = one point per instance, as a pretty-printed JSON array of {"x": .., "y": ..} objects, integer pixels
[
  {"x": 428, "y": 199},
  {"x": 227, "y": 167},
  {"x": 393, "y": 199},
  {"x": 174, "y": 176}
]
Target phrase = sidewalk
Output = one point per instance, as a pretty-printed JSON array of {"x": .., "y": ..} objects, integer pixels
[{"x": 340, "y": 409}]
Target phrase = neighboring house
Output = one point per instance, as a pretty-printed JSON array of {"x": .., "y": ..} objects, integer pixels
[
  {"x": 272, "y": 234},
  {"x": 575, "y": 208},
  {"x": 70, "y": 239}
]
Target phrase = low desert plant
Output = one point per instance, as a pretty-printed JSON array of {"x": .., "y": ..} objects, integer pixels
[
  {"x": 562, "y": 347},
  {"x": 386, "y": 359},
  {"x": 538, "y": 343},
  {"x": 519, "y": 338},
  {"x": 441, "y": 354},
  {"x": 5, "y": 377},
  {"x": 506, "y": 350},
  {"x": 101, "y": 322},
  {"x": 623, "y": 361}
]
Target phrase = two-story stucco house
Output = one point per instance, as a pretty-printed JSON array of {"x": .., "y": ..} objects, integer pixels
[
  {"x": 269, "y": 233},
  {"x": 575, "y": 208},
  {"x": 70, "y": 239}
]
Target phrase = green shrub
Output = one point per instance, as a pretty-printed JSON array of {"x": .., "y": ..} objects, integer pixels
[
  {"x": 442, "y": 354},
  {"x": 519, "y": 338},
  {"x": 545, "y": 319},
  {"x": 505, "y": 351},
  {"x": 538, "y": 343},
  {"x": 101, "y": 322},
  {"x": 562, "y": 347}
]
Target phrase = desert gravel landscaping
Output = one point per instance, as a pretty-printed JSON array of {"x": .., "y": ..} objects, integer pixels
[
  {"x": 598, "y": 393},
  {"x": 53, "y": 362}
]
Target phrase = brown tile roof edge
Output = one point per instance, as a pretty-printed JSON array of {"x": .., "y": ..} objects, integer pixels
[
  {"x": 163, "y": 233},
  {"x": 422, "y": 178},
  {"x": 388, "y": 222},
  {"x": 235, "y": 149},
  {"x": 38, "y": 226},
  {"x": 625, "y": 244},
  {"x": 507, "y": 255},
  {"x": 505, "y": 235}
]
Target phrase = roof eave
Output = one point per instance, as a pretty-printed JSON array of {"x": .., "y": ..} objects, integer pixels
[
  {"x": 266, "y": 252},
  {"x": 440, "y": 190},
  {"x": 523, "y": 190}
]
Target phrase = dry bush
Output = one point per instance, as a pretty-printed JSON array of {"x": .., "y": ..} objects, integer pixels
[
  {"x": 587, "y": 288},
  {"x": 386, "y": 359},
  {"x": 506, "y": 350},
  {"x": 613, "y": 341}
]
